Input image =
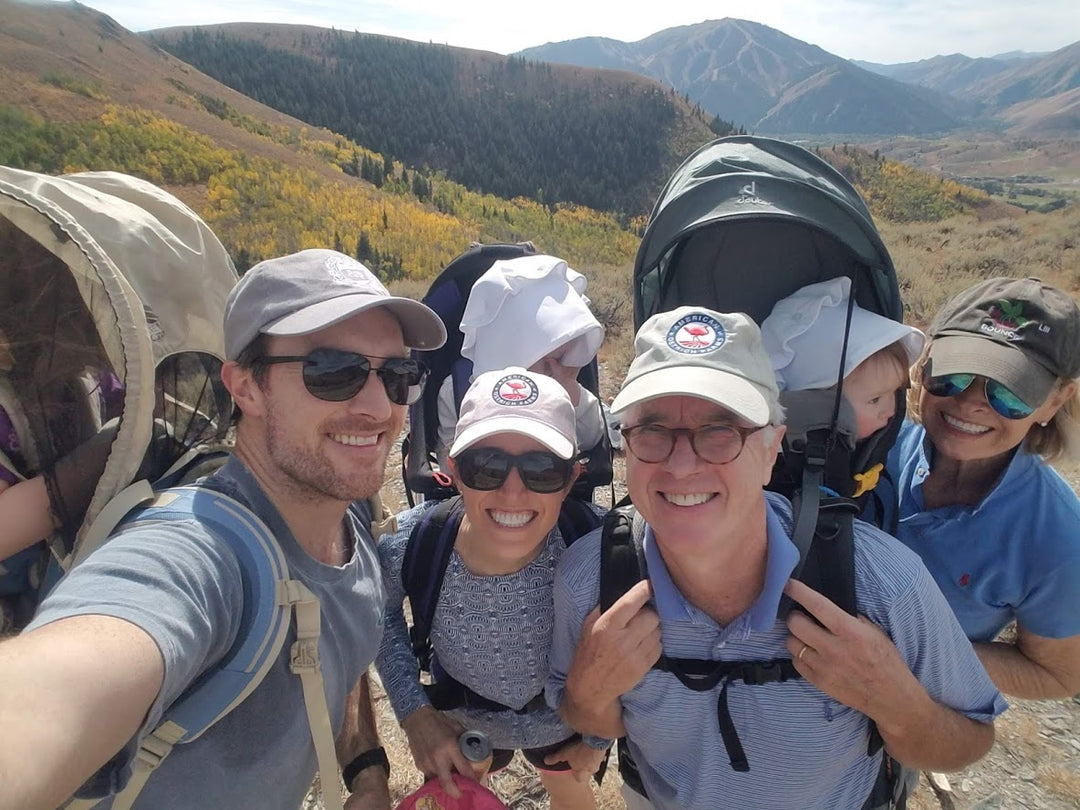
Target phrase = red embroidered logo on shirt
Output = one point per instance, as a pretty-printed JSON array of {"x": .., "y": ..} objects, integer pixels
[{"x": 964, "y": 580}]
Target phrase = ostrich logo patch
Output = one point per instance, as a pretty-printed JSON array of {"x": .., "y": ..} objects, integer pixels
[
  {"x": 696, "y": 334},
  {"x": 515, "y": 389}
]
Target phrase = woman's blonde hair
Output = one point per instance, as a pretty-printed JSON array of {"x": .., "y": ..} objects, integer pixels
[{"x": 1057, "y": 440}]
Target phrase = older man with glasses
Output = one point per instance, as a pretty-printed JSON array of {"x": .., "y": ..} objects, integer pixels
[
  {"x": 318, "y": 366},
  {"x": 702, "y": 426}
]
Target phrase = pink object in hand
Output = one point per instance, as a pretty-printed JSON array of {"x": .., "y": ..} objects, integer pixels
[{"x": 431, "y": 796}]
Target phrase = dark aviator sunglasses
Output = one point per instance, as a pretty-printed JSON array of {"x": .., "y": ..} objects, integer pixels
[
  {"x": 487, "y": 468},
  {"x": 335, "y": 375},
  {"x": 1000, "y": 398}
]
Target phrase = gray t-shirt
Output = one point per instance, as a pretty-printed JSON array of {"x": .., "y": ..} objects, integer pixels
[{"x": 181, "y": 585}]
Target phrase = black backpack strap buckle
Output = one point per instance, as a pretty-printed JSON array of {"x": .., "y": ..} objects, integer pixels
[{"x": 776, "y": 671}]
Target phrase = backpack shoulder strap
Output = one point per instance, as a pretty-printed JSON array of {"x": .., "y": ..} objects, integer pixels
[
  {"x": 270, "y": 598},
  {"x": 622, "y": 565},
  {"x": 622, "y": 557},
  {"x": 427, "y": 554},
  {"x": 460, "y": 372}
]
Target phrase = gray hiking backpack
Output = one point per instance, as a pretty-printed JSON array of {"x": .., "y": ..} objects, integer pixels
[{"x": 113, "y": 298}]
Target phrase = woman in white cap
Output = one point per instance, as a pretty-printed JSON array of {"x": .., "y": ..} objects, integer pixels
[
  {"x": 514, "y": 458},
  {"x": 530, "y": 312},
  {"x": 993, "y": 400}
]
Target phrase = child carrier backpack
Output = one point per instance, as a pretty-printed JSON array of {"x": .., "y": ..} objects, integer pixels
[
  {"x": 112, "y": 298},
  {"x": 427, "y": 554},
  {"x": 742, "y": 223},
  {"x": 447, "y": 296}
]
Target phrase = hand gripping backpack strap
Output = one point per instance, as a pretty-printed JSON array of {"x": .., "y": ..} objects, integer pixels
[{"x": 271, "y": 596}]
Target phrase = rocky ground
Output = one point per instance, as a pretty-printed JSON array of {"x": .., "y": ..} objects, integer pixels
[{"x": 1035, "y": 762}]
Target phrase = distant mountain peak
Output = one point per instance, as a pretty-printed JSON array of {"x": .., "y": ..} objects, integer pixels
[{"x": 770, "y": 82}]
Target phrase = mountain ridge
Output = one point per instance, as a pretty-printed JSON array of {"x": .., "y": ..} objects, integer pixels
[
  {"x": 769, "y": 82},
  {"x": 555, "y": 133}
]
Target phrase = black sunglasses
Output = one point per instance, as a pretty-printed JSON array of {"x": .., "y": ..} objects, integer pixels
[
  {"x": 1000, "y": 398},
  {"x": 487, "y": 468},
  {"x": 334, "y": 375}
]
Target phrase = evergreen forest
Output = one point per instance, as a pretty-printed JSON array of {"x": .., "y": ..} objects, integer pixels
[{"x": 497, "y": 125}]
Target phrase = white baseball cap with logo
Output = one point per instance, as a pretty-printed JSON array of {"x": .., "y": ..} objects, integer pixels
[
  {"x": 697, "y": 352},
  {"x": 513, "y": 400}
]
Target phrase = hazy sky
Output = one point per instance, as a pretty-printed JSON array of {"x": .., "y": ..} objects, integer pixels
[{"x": 885, "y": 31}]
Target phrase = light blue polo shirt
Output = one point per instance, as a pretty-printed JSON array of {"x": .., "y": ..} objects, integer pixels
[
  {"x": 1014, "y": 555},
  {"x": 805, "y": 749}
]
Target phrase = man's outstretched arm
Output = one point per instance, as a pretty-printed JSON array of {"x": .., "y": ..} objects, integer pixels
[{"x": 72, "y": 693}]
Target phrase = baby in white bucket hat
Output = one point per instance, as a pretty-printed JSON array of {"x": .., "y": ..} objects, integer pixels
[
  {"x": 804, "y": 336},
  {"x": 530, "y": 312}
]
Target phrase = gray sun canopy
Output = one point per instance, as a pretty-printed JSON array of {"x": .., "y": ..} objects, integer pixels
[
  {"x": 746, "y": 221},
  {"x": 108, "y": 278}
]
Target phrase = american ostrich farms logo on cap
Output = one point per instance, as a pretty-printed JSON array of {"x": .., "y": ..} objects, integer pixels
[
  {"x": 696, "y": 334},
  {"x": 515, "y": 390}
]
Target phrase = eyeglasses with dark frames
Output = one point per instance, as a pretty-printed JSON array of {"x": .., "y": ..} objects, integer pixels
[
  {"x": 335, "y": 375},
  {"x": 713, "y": 444}
]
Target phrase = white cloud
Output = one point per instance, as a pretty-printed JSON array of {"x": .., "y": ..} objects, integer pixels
[{"x": 874, "y": 30}]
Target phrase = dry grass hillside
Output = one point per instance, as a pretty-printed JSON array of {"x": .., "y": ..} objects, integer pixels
[
  {"x": 989, "y": 155},
  {"x": 47, "y": 50}
]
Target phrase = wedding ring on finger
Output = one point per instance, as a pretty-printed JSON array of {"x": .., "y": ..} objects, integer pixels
[{"x": 805, "y": 647}]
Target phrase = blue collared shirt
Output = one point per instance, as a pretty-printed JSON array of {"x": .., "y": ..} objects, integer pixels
[
  {"x": 761, "y": 615},
  {"x": 805, "y": 749},
  {"x": 1013, "y": 555}
]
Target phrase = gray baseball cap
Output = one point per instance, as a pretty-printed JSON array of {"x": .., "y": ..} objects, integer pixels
[
  {"x": 696, "y": 352},
  {"x": 513, "y": 400},
  {"x": 311, "y": 290},
  {"x": 1019, "y": 331}
]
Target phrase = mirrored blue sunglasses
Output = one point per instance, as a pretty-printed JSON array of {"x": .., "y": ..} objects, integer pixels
[{"x": 1000, "y": 398}]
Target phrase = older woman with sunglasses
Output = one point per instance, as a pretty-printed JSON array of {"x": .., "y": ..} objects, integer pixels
[
  {"x": 993, "y": 400},
  {"x": 514, "y": 458}
]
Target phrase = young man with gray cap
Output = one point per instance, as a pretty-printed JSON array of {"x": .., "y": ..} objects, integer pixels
[
  {"x": 317, "y": 363},
  {"x": 702, "y": 427}
]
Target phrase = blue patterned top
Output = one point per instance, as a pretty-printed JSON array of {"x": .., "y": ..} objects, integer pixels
[{"x": 490, "y": 633}]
